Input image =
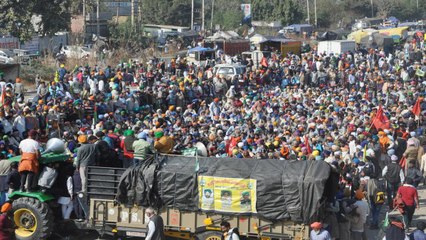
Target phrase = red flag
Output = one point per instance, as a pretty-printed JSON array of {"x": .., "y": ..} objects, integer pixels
[
  {"x": 366, "y": 94},
  {"x": 308, "y": 147},
  {"x": 402, "y": 162},
  {"x": 264, "y": 62},
  {"x": 380, "y": 120},
  {"x": 416, "y": 109}
]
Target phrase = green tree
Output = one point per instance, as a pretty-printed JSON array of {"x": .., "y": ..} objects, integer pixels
[
  {"x": 285, "y": 11},
  {"x": 15, "y": 17},
  {"x": 228, "y": 14}
]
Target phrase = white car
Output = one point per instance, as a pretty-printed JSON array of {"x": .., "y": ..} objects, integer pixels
[
  {"x": 229, "y": 70},
  {"x": 76, "y": 52},
  {"x": 6, "y": 58}
]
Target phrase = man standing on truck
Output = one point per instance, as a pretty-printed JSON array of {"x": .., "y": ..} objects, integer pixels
[
  {"x": 155, "y": 225},
  {"x": 141, "y": 148},
  {"x": 86, "y": 156},
  {"x": 228, "y": 232}
]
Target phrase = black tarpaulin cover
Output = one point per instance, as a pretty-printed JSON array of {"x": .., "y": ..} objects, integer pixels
[{"x": 290, "y": 190}]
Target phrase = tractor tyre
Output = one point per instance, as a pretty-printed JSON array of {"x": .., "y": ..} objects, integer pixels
[{"x": 34, "y": 219}]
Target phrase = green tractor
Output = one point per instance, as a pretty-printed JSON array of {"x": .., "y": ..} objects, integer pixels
[{"x": 33, "y": 212}]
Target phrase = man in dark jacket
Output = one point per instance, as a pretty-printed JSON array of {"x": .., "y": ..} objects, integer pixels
[
  {"x": 400, "y": 145},
  {"x": 394, "y": 176},
  {"x": 155, "y": 225},
  {"x": 86, "y": 156}
]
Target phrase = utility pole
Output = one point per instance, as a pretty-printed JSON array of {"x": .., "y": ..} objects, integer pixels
[
  {"x": 202, "y": 15},
  {"x": 84, "y": 21},
  {"x": 307, "y": 10},
  {"x": 132, "y": 17},
  {"x": 139, "y": 15},
  {"x": 372, "y": 9},
  {"x": 315, "y": 9},
  {"x": 192, "y": 15},
  {"x": 211, "y": 19},
  {"x": 98, "y": 30}
]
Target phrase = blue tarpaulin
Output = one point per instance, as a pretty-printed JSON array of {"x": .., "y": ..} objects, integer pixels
[{"x": 200, "y": 49}]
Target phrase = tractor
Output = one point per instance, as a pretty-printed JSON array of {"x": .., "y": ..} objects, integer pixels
[{"x": 34, "y": 212}]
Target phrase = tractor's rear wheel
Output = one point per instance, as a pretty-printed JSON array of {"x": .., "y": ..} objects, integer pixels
[{"x": 34, "y": 219}]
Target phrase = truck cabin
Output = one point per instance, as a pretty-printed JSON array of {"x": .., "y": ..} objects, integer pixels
[{"x": 200, "y": 55}]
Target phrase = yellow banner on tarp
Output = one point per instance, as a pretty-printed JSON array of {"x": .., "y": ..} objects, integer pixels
[{"x": 235, "y": 195}]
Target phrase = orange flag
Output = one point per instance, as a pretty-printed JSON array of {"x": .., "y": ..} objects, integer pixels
[
  {"x": 380, "y": 120},
  {"x": 416, "y": 109}
]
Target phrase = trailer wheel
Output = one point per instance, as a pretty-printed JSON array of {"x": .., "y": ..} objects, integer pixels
[
  {"x": 33, "y": 218},
  {"x": 210, "y": 235}
]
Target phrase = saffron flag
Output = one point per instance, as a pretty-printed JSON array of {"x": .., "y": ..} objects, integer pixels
[
  {"x": 308, "y": 147},
  {"x": 416, "y": 109},
  {"x": 380, "y": 120},
  {"x": 3, "y": 96}
]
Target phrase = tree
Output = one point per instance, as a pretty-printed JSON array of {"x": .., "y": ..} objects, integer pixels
[
  {"x": 285, "y": 11},
  {"x": 55, "y": 15},
  {"x": 15, "y": 17},
  {"x": 228, "y": 14}
]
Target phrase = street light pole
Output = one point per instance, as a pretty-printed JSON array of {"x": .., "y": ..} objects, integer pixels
[{"x": 372, "y": 9}]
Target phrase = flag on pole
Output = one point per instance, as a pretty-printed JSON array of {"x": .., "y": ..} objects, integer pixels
[
  {"x": 308, "y": 147},
  {"x": 364, "y": 153},
  {"x": 416, "y": 109},
  {"x": 3, "y": 95},
  {"x": 380, "y": 120},
  {"x": 95, "y": 114}
]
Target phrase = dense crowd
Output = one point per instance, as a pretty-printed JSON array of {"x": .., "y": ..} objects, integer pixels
[{"x": 362, "y": 112}]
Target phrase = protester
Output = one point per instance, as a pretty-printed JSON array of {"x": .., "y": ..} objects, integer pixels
[
  {"x": 411, "y": 200},
  {"x": 394, "y": 176},
  {"x": 86, "y": 156},
  {"x": 29, "y": 166},
  {"x": 419, "y": 233},
  {"x": 228, "y": 232},
  {"x": 6, "y": 223},
  {"x": 358, "y": 221},
  {"x": 396, "y": 230},
  {"x": 155, "y": 225},
  {"x": 318, "y": 233}
]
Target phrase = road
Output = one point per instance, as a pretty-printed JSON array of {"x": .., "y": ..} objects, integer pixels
[{"x": 419, "y": 215}]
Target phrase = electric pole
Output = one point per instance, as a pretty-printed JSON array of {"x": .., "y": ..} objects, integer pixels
[
  {"x": 192, "y": 15},
  {"x": 98, "y": 29},
  {"x": 202, "y": 15},
  {"x": 132, "y": 17},
  {"x": 307, "y": 10},
  {"x": 84, "y": 21},
  {"x": 211, "y": 19},
  {"x": 315, "y": 9}
]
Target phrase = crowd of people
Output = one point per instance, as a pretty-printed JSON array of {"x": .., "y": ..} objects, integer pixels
[{"x": 362, "y": 112}]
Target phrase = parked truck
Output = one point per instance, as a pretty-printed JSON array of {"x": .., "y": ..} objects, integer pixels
[
  {"x": 264, "y": 199},
  {"x": 336, "y": 46}
]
